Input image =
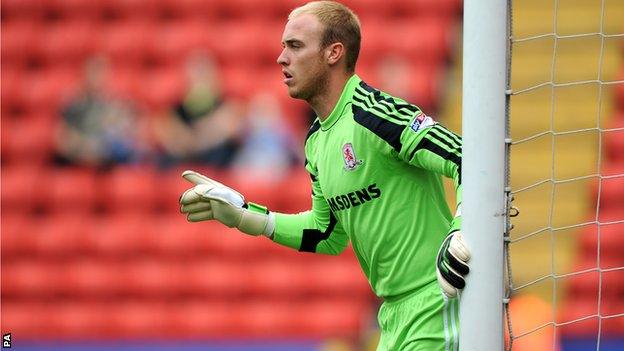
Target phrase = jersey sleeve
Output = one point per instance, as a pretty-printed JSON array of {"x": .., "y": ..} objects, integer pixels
[
  {"x": 428, "y": 145},
  {"x": 315, "y": 230}
]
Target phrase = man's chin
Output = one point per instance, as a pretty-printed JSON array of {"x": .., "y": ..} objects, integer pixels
[{"x": 294, "y": 93}]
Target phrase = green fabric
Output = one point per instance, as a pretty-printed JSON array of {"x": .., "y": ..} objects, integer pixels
[
  {"x": 254, "y": 207},
  {"x": 427, "y": 321},
  {"x": 376, "y": 164}
]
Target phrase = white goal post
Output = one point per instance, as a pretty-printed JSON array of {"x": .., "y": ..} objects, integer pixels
[{"x": 485, "y": 76}]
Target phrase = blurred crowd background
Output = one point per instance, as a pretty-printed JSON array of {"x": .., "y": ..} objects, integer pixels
[{"x": 105, "y": 102}]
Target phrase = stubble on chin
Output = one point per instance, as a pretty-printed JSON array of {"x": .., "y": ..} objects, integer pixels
[{"x": 317, "y": 85}]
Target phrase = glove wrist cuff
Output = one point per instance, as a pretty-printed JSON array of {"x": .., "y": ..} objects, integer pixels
[{"x": 256, "y": 208}]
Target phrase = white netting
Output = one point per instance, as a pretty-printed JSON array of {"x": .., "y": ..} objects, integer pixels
[{"x": 566, "y": 252}]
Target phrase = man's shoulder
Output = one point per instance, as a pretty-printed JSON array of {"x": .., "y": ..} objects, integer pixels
[
  {"x": 384, "y": 104},
  {"x": 382, "y": 114}
]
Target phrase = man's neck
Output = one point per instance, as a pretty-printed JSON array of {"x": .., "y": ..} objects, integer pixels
[{"x": 324, "y": 103}]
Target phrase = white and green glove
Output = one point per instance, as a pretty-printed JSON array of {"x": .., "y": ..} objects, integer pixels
[
  {"x": 209, "y": 200},
  {"x": 452, "y": 264}
]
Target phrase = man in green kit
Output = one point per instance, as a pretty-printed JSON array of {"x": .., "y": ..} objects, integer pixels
[{"x": 375, "y": 163}]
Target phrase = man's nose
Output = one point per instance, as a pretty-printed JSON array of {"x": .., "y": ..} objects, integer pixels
[{"x": 281, "y": 59}]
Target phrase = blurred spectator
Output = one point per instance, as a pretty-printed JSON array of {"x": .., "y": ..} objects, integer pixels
[
  {"x": 96, "y": 129},
  {"x": 204, "y": 127},
  {"x": 268, "y": 149}
]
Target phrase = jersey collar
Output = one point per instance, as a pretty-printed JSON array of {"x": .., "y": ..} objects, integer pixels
[{"x": 345, "y": 98}]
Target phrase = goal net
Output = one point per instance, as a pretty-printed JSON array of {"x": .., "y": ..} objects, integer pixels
[{"x": 565, "y": 253}]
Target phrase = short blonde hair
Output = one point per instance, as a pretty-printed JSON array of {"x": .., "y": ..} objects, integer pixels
[{"x": 341, "y": 25}]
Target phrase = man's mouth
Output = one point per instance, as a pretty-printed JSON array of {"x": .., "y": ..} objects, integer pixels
[{"x": 287, "y": 77}]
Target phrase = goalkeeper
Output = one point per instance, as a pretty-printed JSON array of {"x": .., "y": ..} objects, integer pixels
[{"x": 375, "y": 163}]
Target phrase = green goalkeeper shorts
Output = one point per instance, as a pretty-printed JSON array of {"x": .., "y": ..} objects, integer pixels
[{"x": 423, "y": 321}]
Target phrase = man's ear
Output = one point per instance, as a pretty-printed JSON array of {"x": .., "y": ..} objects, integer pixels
[{"x": 334, "y": 52}]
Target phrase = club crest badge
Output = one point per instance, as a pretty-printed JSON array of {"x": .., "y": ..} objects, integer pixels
[{"x": 351, "y": 162}]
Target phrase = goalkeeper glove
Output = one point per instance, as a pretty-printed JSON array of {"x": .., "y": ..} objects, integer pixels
[
  {"x": 451, "y": 264},
  {"x": 209, "y": 199}
]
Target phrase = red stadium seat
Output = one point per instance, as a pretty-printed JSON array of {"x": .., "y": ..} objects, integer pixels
[
  {"x": 130, "y": 189},
  {"x": 610, "y": 215},
  {"x": 77, "y": 9},
  {"x": 269, "y": 320},
  {"x": 93, "y": 278},
  {"x": 332, "y": 318},
  {"x": 203, "y": 318},
  {"x": 424, "y": 42},
  {"x": 48, "y": 90},
  {"x": 162, "y": 87},
  {"x": 239, "y": 44},
  {"x": 69, "y": 43},
  {"x": 189, "y": 10},
  {"x": 338, "y": 278},
  {"x": 242, "y": 10},
  {"x": 297, "y": 194},
  {"x": 127, "y": 43},
  {"x": 23, "y": 9},
  {"x": 19, "y": 193},
  {"x": 21, "y": 40},
  {"x": 172, "y": 236},
  {"x": 580, "y": 316},
  {"x": 80, "y": 319},
  {"x": 59, "y": 236},
  {"x": 215, "y": 277},
  {"x": 277, "y": 278},
  {"x": 429, "y": 8},
  {"x": 610, "y": 284},
  {"x": 118, "y": 236},
  {"x": 177, "y": 40},
  {"x": 614, "y": 140},
  {"x": 30, "y": 279},
  {"x": 17, "y": 240},
  {"x": 73, "y": 190},
  {"x": 427, "y": 41},
  {"x": 152, "y": 278},
  {"x": 579, "y": 308},
  {"x": 612, "y": 192},
  {"x": 612, "y": 323},
  {"x": 129, "y": 10},
  {"x": 29, "y": 319},
  {"x": 30, "y": 140},
  {"x": 13, "y": 94},
  {"x": 611, "y": 244},
  {"x": 392, "y": 10}
]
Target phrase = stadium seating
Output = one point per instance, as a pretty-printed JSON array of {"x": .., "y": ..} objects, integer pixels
[
  {"x": 73, "y": 190},
  {"x": 614, "y": 140},
  {"x": 599, "y": 292}
]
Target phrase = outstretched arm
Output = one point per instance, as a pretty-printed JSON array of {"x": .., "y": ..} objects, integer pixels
[{"x": 316, "y": 230}]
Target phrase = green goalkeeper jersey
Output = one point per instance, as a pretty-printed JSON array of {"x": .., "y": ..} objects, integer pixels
[{"x": 375, "y": 164}]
